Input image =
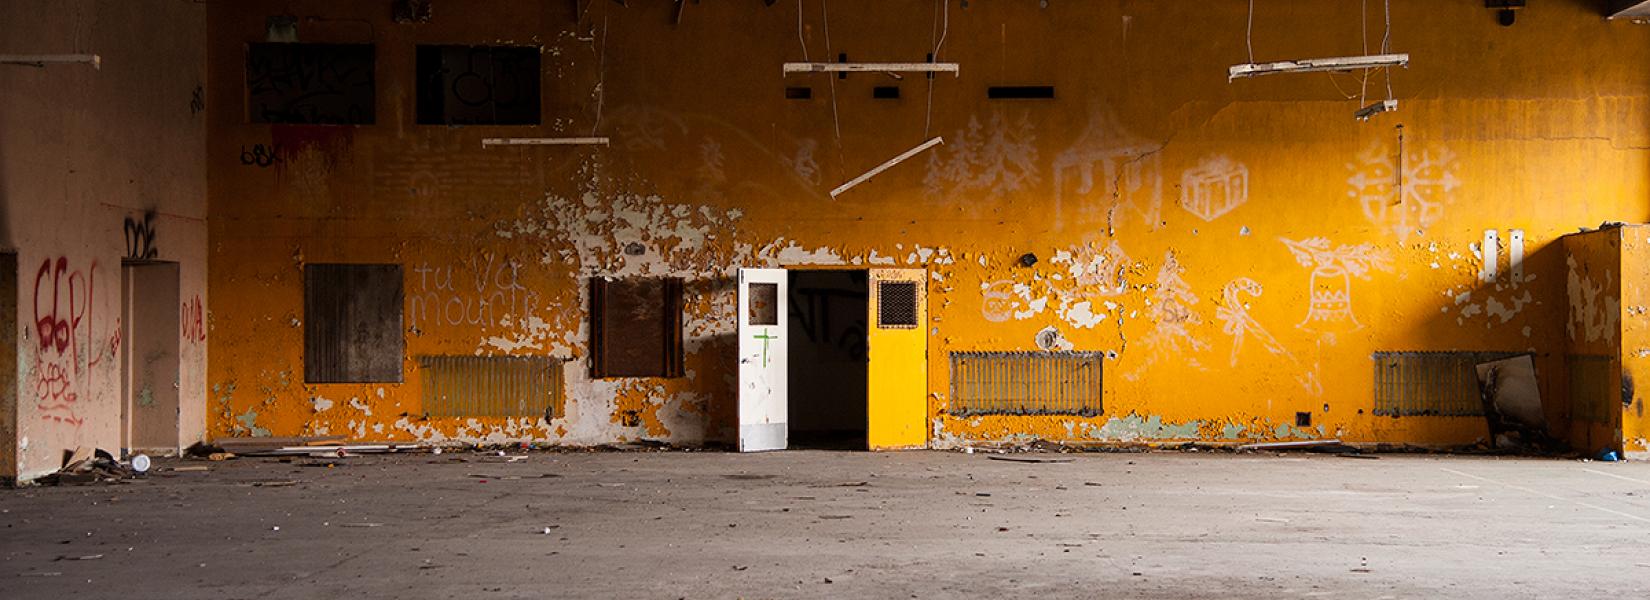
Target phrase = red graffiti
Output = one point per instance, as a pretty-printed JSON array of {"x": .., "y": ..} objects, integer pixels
[
  {"x": 63, "y": 319},
  {"x": 193, "y": 321}
]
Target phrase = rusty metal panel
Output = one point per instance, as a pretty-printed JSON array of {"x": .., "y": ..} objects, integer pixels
[
  {"x": 491, "y": 386},
  {"x": 352, "y": 323},
  {"x": 636, "y": 327},
  {"x": 1445, "y": 384},
  {"x": 1027, "y": 383},
  {"x": 1592, "y": 386}
]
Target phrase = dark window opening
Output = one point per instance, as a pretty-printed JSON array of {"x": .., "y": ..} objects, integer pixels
[
  {"x": 352, "y": 323},
  {"x": 1020, "y": 92},
  {"x": 799, "y": 93},
  {"x": 478, "y": 85},
  {"x": 311, "y": 84},
  {"x": 636, "y": 327}
]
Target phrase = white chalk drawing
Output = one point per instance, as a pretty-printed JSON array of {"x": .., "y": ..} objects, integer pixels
[
  {"x": 998, "y": 302},
  {"x": 1100, "y": 272},
  {"x": 1403, "y": 203},
  {"x": 710, "y": 174},
  {"x": 1329, "y": 308},
  {"x": 991, "y": 160},
  {"x": 1594, "y": 311},
  {"x": 1233, "y": 313},
  {"x": 1171, "y": 310},
  {"x": 1214, "y": 187},
  {"x": 1129, "y": 169},
  {"x": 803, "y": 162}
]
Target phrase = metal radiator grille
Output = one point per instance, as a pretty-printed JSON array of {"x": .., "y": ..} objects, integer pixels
[
  {"x": 1026, "y": 383},
  {"x": 491, "y": 386},
  {"x": 1430, "y": 383},
  {"x": 1592, "y": 393}
]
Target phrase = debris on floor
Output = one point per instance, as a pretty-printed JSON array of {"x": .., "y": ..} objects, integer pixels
[
  {"x": 86, "y": 465},
  {"x": 1027, "y": 459}
]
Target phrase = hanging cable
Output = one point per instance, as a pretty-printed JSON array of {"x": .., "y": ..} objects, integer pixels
[
  {"x": 1249, "y": 33},
  {"x": 601, "y": 77},
  {"x": 1386, "y": 47},
  {"x": 928, "y": 117},
  {"x": 836, "y": 120},
  {"x": 799, "y": 39}
]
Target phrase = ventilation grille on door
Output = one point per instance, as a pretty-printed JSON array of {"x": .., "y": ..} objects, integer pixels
[
  {"x": 1026, "y": 383},
  {"x": 1442, "y": 384},
  {"x": 897, "y": 304},
  {"x": 491, "y": 386},
  {"x": 1592, "y": 389}
]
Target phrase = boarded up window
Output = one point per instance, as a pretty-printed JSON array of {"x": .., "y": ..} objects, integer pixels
[
  {"x": 478, "y": 85},
  {"x": 636, "y": 327},
  {"x": 315, "y": 84},
  {"x": 1026, "y": 383},
  {"x": 352, "y": 323},
  {"x": 896, "y": 304}
]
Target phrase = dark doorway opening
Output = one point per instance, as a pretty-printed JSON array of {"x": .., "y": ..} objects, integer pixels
[{"x": 828, "y": 368}]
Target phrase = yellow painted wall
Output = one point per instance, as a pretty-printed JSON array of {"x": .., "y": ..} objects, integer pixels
[
  {"x": 1635, "y": 336},
  {"x": 1206, "y": 300}
]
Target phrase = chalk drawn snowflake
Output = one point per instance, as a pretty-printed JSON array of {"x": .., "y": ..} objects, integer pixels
[{"x": 1408, "y": 203}]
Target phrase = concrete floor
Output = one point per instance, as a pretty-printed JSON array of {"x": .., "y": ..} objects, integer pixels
[{"x": 801, "y": 524}]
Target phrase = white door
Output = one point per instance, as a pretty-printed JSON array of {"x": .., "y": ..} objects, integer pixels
[{"x": 762, "y": 359}]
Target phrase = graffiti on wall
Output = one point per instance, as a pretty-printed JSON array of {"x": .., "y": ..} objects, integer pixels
[
  {"x": 1128, "y": 169},
  {"x": 1403, "y": 200},
  {"x": 192, "y": 320},
  {"x": 260, "y": 155},
  {"x": 480, "y": 291},
  {"x": 990, "y": 160},
  {"x": 140, "y": 237},
  {"x": 1214, "y": 187},
  {"x": 1171, "y": 312},
  {"x": 1235, "y": 320},
  {"x": 1329, "y": 307},
  {"x": 67, "y": 347}
]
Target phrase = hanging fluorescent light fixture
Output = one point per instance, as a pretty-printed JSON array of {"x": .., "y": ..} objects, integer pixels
[
  {"x": 848, "y": 67},
  {"x": 1313, "y": 65}
]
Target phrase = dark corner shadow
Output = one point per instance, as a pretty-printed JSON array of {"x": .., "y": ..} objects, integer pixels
[{"x": 1540, "y": 303}]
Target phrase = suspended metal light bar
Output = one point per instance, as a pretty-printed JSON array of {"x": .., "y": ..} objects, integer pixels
[
  {"x": 1311, "y": 65},
  {"x": 848, "y": 67}
]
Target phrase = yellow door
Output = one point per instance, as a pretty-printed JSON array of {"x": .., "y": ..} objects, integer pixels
[{"x": 897, "y": 347}]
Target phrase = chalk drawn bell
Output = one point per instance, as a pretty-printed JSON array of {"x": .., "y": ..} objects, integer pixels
[{"x": 1330, "y": 308}]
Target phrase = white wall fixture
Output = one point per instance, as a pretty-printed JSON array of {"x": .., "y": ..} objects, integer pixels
[{"x": 41, "y": 60}]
